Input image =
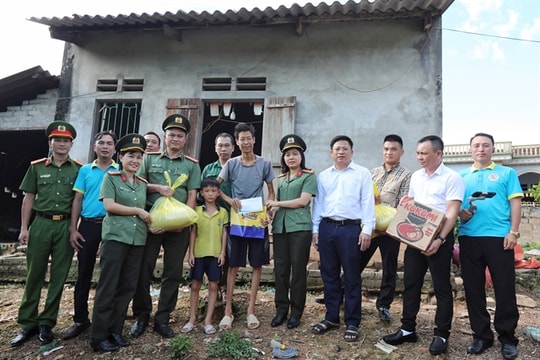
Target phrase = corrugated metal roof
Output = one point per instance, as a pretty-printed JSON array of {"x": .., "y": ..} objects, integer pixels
[{"x": 66, "y": 27}]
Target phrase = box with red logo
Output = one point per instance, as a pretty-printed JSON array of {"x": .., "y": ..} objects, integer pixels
[{"x": 415, "y": 224}]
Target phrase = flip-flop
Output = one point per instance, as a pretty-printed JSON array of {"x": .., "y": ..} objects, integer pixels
[
  {"x": 252, "y": 322},
  {"x": 209, "y": 329},
  {"x": 226, "y": 322},
  {"x": 351, "y": 333},
  {"x": 187, "y": 328}
]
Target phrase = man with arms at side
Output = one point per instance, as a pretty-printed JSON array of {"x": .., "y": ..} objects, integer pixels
[
  {"x": 343, "y": 219},
  {"x": 487, "y": 237},
  {"x": 48, "y": 192},
  {"x": 247, "y": 174},
  {"x": 175, "y": 243},
  {"x": 85, "y": 236},
  {"x": 436, "y": 186},
  {"x": 392, "y": 180}
]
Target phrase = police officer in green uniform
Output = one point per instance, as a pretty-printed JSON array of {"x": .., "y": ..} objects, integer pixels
[
  {"x": 124, "y": 236},
  {"x": 48, "y": 188},
  {"x": 174, "y": 243},
  {"x": 291, "y": 228}
]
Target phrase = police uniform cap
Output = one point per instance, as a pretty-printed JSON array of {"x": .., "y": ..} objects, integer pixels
[
  {"x": 131, "y": 142},
  {"x": 292, "y": 141},
  {"x": 178, "y": 121},
  {"x": 62, "y": 129}
]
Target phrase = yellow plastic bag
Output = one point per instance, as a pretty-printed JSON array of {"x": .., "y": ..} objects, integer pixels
[
  {"x": 383, "y": 213},
  {"x": 169, "y": 214}
]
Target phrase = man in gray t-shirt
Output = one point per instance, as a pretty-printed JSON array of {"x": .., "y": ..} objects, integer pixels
[{"x": 247, "y": 175}]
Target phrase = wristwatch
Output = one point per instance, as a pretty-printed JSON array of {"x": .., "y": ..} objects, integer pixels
[
  {"x": 515, "y": 233},
  {"x": 441, "y": 238}
]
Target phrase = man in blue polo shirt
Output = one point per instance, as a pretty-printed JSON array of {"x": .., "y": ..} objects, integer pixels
[{"x": 86, "y": 238}]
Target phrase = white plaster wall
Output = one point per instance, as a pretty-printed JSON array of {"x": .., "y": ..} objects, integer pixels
[{"x": 364, "y": 79}]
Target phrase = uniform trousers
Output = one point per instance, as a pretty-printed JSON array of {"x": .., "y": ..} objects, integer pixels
[
  {"x": 416, "y": 265},
  {"x": 175, "y": 245},
  {"x": 86, "y": 257},
  {"x": 475, "y": 254},
  {"x": 338, "y": 248},
  {"x": 46, "y": 238},
  {"x": 120, "y": 264},
  {"x": 291, "y": 255},
  {"x": 389, "y": 248}
]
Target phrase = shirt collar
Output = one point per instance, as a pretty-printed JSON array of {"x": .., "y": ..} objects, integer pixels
[
  {"x": 113, "y": 164},
  {"x": 217, "y": 206},
  {"x": 490, "y": 167}
]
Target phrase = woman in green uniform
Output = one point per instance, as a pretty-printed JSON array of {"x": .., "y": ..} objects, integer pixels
[
  {"x": 292, "y": 230},
  {"x": 124, "y": 235}
]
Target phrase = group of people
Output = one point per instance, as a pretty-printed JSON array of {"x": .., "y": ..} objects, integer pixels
[{"x": 104, "y": 205}]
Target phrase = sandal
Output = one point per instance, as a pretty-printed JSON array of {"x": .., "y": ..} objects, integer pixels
[
  {"x": 252, "y": 322},
  {"x": 187, "y": 328},
  {"x": 323, "y": 327},
  {"x": 209, "y": 329},
  {"x": 226, "y": 322},
  {"x": 351, "y": 333}
]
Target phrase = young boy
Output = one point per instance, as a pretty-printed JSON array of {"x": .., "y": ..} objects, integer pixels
[{"x": 207, "y": 245}]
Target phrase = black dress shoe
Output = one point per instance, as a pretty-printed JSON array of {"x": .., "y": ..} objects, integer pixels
[
  {"x": 278, "y": 320},
  {"x": 138, "y": 328},
  {"x": 398, "y": 338},
  {"x": 293, "y": 322},
  {"x": 509, "y": 351},
  {"x": 438, "y": 345},
  {"x": 23, "y": 336},
  {"x": 75, "y": 330},
  {"x": 119, "y": 340},
  {"x": 163, "y": 330},
  {"x": 319, "y": 300},
  {"x": 45, "y": 334},
  {"x": 478, "y": 346},
  {"x": 384, "y": 314},
  {"x": 103, "y": 346}
]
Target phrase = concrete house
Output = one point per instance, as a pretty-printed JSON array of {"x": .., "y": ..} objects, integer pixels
[{"x": 362, "y": 68}]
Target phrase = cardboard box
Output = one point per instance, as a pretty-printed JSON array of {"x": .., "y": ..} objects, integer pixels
[{"x": 415, "y": 224}]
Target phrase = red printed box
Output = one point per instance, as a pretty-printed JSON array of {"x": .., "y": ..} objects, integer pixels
[{"x": 415, "y": 224}]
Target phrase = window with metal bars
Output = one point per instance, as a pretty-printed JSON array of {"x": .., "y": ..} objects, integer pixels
[{"x": 121, "y": 116}]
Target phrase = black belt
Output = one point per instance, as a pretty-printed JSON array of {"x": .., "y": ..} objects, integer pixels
[
  {"x": 342, "y": 222},
  {"x": 54, "y": 217},
  {"x": 96, "y": 220}
]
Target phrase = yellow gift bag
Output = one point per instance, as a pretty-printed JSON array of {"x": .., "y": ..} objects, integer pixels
[
  {"x": 383, "y": 213},
  {"x": 169, "y": 214}
]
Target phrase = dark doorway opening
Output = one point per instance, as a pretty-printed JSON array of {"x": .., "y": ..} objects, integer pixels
[
  {"x": 17, "y": 150},
  {"x": 214, "y": 125}
]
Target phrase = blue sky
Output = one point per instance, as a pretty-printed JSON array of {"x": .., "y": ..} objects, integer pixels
[{"x": 491, "y": 82}]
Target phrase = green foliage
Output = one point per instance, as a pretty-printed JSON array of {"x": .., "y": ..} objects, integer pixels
[
  {"x": 230, "y": 345},
  {"x": 535, "y": 192},
  {"x": 181, "y": 345}
]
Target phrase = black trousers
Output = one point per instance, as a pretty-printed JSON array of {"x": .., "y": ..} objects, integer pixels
[
  {"x": 477, "y": 253},
  {"x": 389, "y": 248},
  {"x": 415, "y": 268},
  {"x": 86, "y": 257}
]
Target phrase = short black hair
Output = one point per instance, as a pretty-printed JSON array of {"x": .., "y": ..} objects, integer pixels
[
  {"x": 485, "y": 135},
  {"x": 393, "y": 138},
  {"x": 337, "y": 138},
  {"x": 241, "y": 127},
  {"x": 101, "y": 134},
  {"x": 156, "y": 135},
  {"x": 209, "y": 182},
  {"x": 436, "y": 142},
  {"x": 224, "y": 135}
]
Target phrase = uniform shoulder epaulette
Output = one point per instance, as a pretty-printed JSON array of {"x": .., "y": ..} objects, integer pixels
[
  {"x": 78, "y": 162},
  {"x": 114, "y": 173},
  {"x": 282, "y": 175},
  {"x": 308, "y": 171},
  {"x": 141, "y": 178},
  {"x": 191, "y": 158},
  {"x": 154, "y": 153},
  {"x": 38, "y": 161}
]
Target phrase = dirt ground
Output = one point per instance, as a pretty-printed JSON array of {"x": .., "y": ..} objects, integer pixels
[{"x": 310, "y": 346}]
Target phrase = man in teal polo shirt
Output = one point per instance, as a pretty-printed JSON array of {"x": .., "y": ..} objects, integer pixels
[{"x": 47, "y": 185}]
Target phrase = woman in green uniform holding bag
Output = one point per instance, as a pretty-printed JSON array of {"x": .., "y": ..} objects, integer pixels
[
  {"x": 291, "y": 228},
  {"x": 124, "y": 235}
]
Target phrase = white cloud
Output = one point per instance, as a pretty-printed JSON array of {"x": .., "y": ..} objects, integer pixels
[
  {"x": 532, "y": 32},
  {"x": 476, "y": 7},
  {"x": 506, "y": 29},
  {"x": 488, "y": 50}
]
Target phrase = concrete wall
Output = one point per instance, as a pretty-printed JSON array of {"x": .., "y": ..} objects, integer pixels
[
  {"x": 365, "y": 79},
  {"x": 32, "y": 114},
  {"x": 530, "y": 224}
]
